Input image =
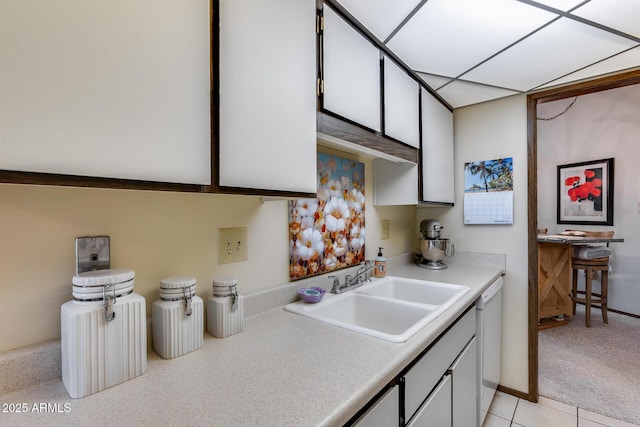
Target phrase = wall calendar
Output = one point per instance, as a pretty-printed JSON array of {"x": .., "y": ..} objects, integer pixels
[{"x": 488, "y": 192}]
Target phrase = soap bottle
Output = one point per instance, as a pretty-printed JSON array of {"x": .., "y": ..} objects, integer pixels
[{"x": 381, "y": 265}]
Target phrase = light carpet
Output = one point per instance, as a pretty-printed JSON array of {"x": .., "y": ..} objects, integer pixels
[{"x": 597, "y": 368}]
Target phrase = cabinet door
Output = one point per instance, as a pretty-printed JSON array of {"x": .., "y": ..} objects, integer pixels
[
  {"x": 401, "y": 105},
  {"x": 465, "y": 385},
  {"x": 436, "y": 411},
  {"x": 351, "y": 72},
  {"x": 267, "y": 130},
  {"x": 384, "y": 413},
  {"x": 424, "y": 375},
  {"x": 437, "y": 151},
  {"x": 106, "y": 90}
]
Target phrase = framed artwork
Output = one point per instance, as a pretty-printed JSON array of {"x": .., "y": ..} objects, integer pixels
[
  {"x": 585, "y": 193},
  {"x": 327, "y": 233}
]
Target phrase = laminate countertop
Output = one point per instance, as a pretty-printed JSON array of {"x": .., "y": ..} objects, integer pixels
[{"x": 282, "y": 370}]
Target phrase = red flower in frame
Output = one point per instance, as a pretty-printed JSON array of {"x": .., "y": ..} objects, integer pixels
[{"x": 590, "y": 189}]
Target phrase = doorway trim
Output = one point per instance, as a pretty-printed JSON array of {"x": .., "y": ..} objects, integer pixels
[{"x": 609, "y": 82}]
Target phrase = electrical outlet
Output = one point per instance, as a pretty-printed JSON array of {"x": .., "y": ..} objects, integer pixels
[
  {"x": 232, "y": 245},
  {"x": 385, "y": 232}
]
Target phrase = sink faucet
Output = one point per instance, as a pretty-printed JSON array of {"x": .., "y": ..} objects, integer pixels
[{"x": 363, "y": 275}]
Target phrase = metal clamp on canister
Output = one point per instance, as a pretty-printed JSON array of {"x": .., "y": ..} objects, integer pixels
[
  {"x": 186, "y": 292},
  {"x": 234, "y": 299},
  {"x": 109, "y": 300}
]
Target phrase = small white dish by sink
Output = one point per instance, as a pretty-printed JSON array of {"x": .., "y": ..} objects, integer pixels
[{"x": 392, "y": 309}]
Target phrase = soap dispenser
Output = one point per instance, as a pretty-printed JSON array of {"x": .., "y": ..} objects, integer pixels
[{"x": 380, "y": 264}]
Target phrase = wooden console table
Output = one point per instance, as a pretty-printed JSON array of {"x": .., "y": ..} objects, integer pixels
[{"x": 554, "y": 272}]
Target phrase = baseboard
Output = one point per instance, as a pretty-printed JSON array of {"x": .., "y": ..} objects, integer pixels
[{"x": 516, "y": 393}]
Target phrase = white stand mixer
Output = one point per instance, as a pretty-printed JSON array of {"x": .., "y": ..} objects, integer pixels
[{"x": 433, "y": 248}]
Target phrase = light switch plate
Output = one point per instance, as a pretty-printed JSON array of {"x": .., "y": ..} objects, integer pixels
[
  {"x": 232, "y": 245},
  {"x": 92, "y": 253}
]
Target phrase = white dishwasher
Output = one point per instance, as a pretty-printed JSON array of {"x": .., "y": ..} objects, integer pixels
[{"x": 489, "y": 338}]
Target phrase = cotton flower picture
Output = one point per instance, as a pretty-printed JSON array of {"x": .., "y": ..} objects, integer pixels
[{"x": 328, "y": 233}]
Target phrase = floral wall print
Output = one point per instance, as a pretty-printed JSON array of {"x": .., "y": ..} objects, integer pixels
[
  {"x": 328, "y": 233},
  {"x": 585, "y": 193}
]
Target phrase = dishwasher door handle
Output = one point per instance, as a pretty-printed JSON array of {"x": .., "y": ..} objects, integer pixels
[{"x": 492, "y": 290}]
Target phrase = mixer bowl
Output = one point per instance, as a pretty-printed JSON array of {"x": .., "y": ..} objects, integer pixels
[{"x": 436, "y": 249}]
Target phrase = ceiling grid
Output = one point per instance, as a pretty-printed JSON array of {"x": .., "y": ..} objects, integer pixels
[{"x": 470, "y": 51}]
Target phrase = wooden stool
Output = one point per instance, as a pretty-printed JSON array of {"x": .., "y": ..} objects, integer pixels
[{"x": 589, "y": 266}]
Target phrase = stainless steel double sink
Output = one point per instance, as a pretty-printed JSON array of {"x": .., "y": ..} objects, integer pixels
[{"x": 392, "y": 309}]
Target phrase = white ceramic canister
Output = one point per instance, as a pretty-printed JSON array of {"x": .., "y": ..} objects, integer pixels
[
  {"x": 225, "y": 309},
  {"x": 103, "y": 332},
  {"x": 177, "y": 318}
]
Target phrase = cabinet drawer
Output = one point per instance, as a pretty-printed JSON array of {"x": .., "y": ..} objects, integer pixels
[{"x": 427, "y": 372}]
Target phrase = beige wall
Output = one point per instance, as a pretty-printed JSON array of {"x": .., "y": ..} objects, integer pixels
[
  {"x": 157, "y": 234},
  {"x": 483, "y": 132}
]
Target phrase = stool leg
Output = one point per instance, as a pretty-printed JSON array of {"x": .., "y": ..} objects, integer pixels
[
  {"x": 587, "y": 290},
  {"x": 604, "y": 275},
  {"x": 574, "y": 289}
]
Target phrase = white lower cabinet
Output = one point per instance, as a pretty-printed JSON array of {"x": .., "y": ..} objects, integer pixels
[
  {"x": 452, "y": 359},
  {"x": 439, "y": 387},
  {"x": 385, "y": 412}
]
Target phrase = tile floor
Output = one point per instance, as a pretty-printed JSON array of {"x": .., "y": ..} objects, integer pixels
[{"x": 510, "y": 411}]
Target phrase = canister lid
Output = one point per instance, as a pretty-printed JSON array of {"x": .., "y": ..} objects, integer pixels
[
  {"x": 225, "y": 282},
  {"x": 224, "y": 287},
  {"x": 177, "y": 282},
  {"x": 103, "y": 277},
  {"x": 177, "y": 288},
  {"x": 96, "y": 293}
]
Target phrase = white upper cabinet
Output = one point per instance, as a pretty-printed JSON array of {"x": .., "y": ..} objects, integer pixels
[
  {"x": 108, "y": 90},
  {"x": 351, "y": 72},
  {"x": 437, "y": 151},
  {"x": 267, "y": 130},
  {"x": 395, "y": 183},
  {"x": 401, "y": 105}
]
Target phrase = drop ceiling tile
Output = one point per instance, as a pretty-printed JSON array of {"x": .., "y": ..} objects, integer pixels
[
  {"x": 622, "y": 15},
  {"x": 556, "y": 50},
  {"x": 624, "y": 61},
  {"x": 380, "y": 17},
  {"x": 447, "y": 37},
  {"x": 460, "y": 93}
]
